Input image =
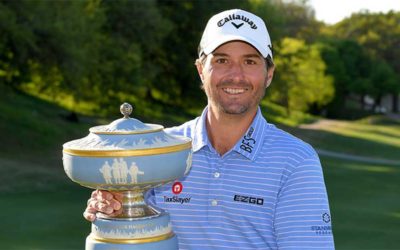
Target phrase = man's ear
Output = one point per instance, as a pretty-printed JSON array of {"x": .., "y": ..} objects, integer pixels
[
  {"x": 270, "y": 75},
  {"x": 199, "y": 67}
]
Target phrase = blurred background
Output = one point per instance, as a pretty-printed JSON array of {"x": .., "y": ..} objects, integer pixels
[{"x": 66, "y": 66}]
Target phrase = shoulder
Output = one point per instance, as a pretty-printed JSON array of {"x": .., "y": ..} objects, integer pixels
[
  {"x": 296, "y": 158},
  {"x": 281, "y": 141},
  {"x": 186, "y": 129}
]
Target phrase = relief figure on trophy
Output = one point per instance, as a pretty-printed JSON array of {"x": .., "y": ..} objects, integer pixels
[{"x": 119, "y": 172}]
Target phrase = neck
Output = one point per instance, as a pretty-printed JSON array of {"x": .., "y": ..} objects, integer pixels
[{"x": 224, "y": 130}]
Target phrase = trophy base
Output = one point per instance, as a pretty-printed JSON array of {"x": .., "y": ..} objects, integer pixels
[
  {"x": 166, "y": 244},
  {"x": 149, "y": 232}
]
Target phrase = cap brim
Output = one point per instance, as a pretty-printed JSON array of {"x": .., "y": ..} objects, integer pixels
[{"x": 229, "y": 38}]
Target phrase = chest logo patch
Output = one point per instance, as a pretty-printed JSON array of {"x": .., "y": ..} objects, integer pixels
[
  {"x": 248, "y": 142},
  {"x": 177, "y": 187},
  {"x": 248, "y": 199}
]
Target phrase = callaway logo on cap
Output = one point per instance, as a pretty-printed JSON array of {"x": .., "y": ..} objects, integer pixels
[{"x": 236, "y": 25}]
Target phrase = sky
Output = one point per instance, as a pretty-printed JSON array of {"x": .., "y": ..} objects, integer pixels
[{"x": 332, "y": 11}]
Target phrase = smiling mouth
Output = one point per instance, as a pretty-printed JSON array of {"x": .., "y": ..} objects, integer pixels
[{"x": 234, "y": 91}]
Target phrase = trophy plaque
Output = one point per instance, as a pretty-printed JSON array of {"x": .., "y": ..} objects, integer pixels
[{"x": 129, "y": 157}]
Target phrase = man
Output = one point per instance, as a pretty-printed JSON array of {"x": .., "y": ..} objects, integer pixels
[{"x": 252, "y": 185}]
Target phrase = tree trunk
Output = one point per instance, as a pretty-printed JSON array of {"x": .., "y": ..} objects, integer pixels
[
  {"x": 149, "y": 95},
  {"x": 377, "y": 104},
  {"x": 395, "y": 103},
  {"x": 362, "y": 101}
]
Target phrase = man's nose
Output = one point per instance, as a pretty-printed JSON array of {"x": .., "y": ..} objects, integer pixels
[{"x": 236, "y": 71}]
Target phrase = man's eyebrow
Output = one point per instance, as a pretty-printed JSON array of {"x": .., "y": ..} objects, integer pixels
[
  {"x": 246, "y": 56},
  {"x": 219, "y": 54},
  {"x": 252, "y": 55}
]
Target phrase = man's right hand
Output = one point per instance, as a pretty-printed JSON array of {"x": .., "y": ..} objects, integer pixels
[{"x": 105, "y": 202}]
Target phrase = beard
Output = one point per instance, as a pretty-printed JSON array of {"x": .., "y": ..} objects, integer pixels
[{"x": 234, "y": 106}]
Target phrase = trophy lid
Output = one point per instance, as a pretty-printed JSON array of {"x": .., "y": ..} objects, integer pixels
[
  {"x": 126, "y": 125},
  {"x": 126, "y": 137}
]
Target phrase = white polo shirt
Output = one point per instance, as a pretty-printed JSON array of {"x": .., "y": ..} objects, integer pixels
[{"x": 268, "y": 192}]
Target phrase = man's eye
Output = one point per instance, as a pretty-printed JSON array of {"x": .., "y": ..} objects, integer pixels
[
  {"x": 221, "y": 60},
  {"x": 251, "y": 62}
]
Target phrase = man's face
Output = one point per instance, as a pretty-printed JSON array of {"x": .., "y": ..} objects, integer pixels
[{"x": 234, "y": 78}]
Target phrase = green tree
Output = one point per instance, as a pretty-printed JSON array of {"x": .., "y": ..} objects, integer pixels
[
  {"x": 130, "y": 47},
  {"x": 298, "y": 20},
  {"x": 379, "y": 33},
  {"x": 383, "y": 79},
  {"x": 47, "y": 44},
  {"x": 300, "y": 76},
  {"x": 350, "y": 67},
  {"x": 178, "y": 82},
  {"x": 273, "y": 14}
]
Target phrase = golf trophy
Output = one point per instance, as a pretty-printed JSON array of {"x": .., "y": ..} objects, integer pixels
[{"x": 129, "y": 157}]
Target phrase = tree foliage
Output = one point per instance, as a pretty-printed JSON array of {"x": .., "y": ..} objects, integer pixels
[
  {"x": 379, "y": 34},
  {"x": 46, "y": 40},
  {"x": 300, "y": 76},
  {"x": 105, "y": 51},
  {"x": 179, "y": 84}
]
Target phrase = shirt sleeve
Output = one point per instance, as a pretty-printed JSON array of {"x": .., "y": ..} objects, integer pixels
[
  {"x": 150, "y": 197},
  {"x": 302, "y": 216}
]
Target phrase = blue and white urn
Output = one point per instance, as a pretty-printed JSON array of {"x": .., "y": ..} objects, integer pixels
[{"x": 130, "y": 157}]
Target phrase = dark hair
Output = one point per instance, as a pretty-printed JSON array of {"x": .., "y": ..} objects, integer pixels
[{"x": 268, "y": 61}]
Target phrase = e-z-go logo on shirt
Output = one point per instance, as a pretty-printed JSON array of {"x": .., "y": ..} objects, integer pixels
[{"x": 248, "y": 199}]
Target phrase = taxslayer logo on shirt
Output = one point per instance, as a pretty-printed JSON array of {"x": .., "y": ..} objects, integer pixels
[{"x": 177, "y": 188}]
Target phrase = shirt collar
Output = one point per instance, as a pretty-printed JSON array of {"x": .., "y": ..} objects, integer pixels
[
  {"x": 201, "y": 137},
  {"x": 248, "y": 146},
  {"x": 252, "y": 141}
]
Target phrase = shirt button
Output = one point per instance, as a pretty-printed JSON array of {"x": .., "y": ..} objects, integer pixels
[
  {"x": 217, "y": 174},
  {"x": 214, "y": 202}
]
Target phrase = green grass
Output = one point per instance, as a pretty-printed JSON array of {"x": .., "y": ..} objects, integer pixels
[
  {"x": 45, "y": 220},
  {"x": 364, "y": 203},
  {"x": 145, "y": 110},
  {"x": 278, "y": 115},
  {"x": 359, "y": 138},
  {"x": 42, "y": 208},
  {"x": 65, "y": 100},
  {"x": 363, "y": 197},
  {"x": 29, "y": 126}
]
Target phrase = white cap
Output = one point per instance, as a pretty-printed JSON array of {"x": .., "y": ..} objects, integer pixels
[{"x": 234, "y": 25}]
